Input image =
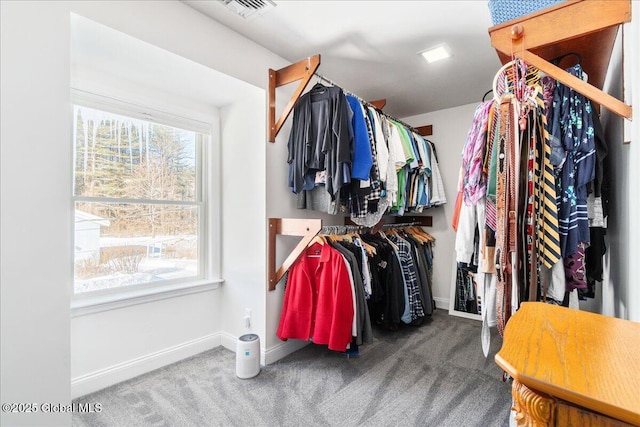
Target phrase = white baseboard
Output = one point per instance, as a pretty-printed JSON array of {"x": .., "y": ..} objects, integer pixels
[
  {"x": 466, "y": 315},
  {"x": 281, "y": 350},
  {"x": 229, "y": 341},
  {"x": 106, "y": 377},
  {"x": 269, "y": 356},
  {"x": 97, "y": 380},
  {"x": 441, "y": 303}
]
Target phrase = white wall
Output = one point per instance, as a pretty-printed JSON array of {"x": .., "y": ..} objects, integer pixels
[
  {"x": 632, "y": 54},
  {"x": 242, "y": 141},
  {"x": 35, "y": 211},
  {"x": 612, "y": 295},
  {"x": 620, "y": 294},
  {"x": 35, "y": 317},
  {"x": 36, "y": 327},
  {"x": 115, "y": 345},
  {"x": 177, "y": 28},
  {"x": 450, "y": 129},
  {"x": 243, "y": 221}
]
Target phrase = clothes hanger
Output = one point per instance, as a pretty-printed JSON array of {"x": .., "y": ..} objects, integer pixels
[
  {"x": 428, "y": 237},
  {"x": 318, "y": 88},
  {"x": 320, "y": 239},
  {"x": 346, "y": 237},
  {"x": 501, "y": 74},
  {"x": 417, "y": 233},
  {"x": 485, "y": 94},
  {"x": 556, "y": 61},
  {"x": 391, "y": 232},
  {"x": 386, "y": 238},
  {"x": 367, "y": 247},
  {"x": 310, "y": 252},
  {"x": 509, "y": 74}
]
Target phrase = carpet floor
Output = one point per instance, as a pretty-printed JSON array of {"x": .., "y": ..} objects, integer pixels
[{"x": 431, "y": 375}]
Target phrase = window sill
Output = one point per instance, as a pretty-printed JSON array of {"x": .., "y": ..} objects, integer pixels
[{"x": 83, "y": 306}]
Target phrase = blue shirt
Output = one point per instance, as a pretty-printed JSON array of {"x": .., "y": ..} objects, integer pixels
[{"x": 362, "y": 157}]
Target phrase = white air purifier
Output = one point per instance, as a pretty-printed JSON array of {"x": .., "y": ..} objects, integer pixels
[{"x": 248, "y": 356}]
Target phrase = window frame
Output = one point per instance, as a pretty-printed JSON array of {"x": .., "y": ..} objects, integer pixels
[{"x": 208, "y": 200}]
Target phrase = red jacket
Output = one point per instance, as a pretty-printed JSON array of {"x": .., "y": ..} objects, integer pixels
[{"x": 318, "y": 302}]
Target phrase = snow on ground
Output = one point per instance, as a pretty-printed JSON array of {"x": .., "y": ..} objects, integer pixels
[{"x": 150, "y": 269}]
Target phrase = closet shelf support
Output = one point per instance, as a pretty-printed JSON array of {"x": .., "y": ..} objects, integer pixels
[
  {"x": 379, "y": 103},
  {"x": 585, "y": 27},
  {"x": 580, "y": 86},
  {"x": 301, "y": 70},
  {"x": 307, "y": 228}
]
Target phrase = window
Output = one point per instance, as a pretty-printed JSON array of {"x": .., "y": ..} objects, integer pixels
[{"x": 139, "y": 203}]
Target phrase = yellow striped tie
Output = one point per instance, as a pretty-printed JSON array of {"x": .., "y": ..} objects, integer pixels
[{"x": 547, "y": 237}]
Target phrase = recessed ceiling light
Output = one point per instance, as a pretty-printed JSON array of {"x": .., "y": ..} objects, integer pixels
[{"x": 436, "y": 53}]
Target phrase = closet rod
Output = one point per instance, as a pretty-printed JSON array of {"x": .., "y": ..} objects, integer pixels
[
  {"x": 419, "y": 220},
  {"x": 321, "y": 77},
  {"x": 400, "y": 225},
  {"x": 343, "y": 229},
  {"x": 303, "y": 71}
]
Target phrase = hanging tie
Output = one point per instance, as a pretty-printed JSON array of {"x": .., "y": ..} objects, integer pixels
[
  {"x": 489, "y": 163},
  {"x": 548, "y": 241}
]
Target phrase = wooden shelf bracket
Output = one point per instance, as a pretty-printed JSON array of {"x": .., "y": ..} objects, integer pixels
[
  {"x": 308, "y": 228},
  {"x": 301, "y": 70},
  {"x": 587, "y": 27}
]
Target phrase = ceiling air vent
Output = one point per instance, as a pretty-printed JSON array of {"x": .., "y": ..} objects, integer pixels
[{"x": 249, "y": 9}]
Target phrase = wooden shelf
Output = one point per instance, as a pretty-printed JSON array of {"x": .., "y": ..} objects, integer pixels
[
  {"x": 586, "y": 27},
  {"x": 306, "y": 228},
  {"x": 302, "y": 72},
  {"x": 585, "y": 359}
]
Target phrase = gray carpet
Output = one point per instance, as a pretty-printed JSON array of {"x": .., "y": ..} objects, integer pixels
[{"x": 432, "y": 375}]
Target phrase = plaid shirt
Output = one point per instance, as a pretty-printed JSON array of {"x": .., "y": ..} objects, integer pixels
[{"x": 410, "y": 276}]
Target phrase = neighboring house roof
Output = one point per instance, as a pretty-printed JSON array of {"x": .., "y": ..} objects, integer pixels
[{"x": 81, "y": 216}]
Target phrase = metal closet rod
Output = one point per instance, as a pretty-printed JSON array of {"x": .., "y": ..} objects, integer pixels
[
  {"x": 345, "y": 229},
  {"x": 400, "y": 225},
  {"x": 332, "y": 83}
]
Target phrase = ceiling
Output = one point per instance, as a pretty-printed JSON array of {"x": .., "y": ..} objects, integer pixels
[
  {"x": 107, "y": 57},
  {"x": 371, "y": 48}
]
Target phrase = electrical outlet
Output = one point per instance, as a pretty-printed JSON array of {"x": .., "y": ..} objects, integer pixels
[{"x": 247, "y": 318}]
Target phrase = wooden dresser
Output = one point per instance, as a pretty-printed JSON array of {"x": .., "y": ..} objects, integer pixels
[{"x": 572, "y": 368}]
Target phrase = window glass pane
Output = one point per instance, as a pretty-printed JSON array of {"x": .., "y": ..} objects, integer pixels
[
  {"x": 123, "y": 157},
  {"x": 124, "y": 244}
]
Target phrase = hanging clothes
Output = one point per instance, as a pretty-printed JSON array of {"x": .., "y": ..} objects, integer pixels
[
  {"x": 318, "y": 302},
  {"x": 475, "y": 289},
  {"x": 387, "y": 302},
  {"x": 345, "y": 283},
  {"x": 438, "y": 196},
  {"x": 473, "y": 176},
  {"x": 347, "y": 157},
  {"x": 413, "y": 308},
  {"x": 540, "y": 148},
  {"x": 362, "y": 156},
  {"x": 573, "y": 132},
  {"x": 352, "y": 254},
  {"x": 320, "y": 144}
]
